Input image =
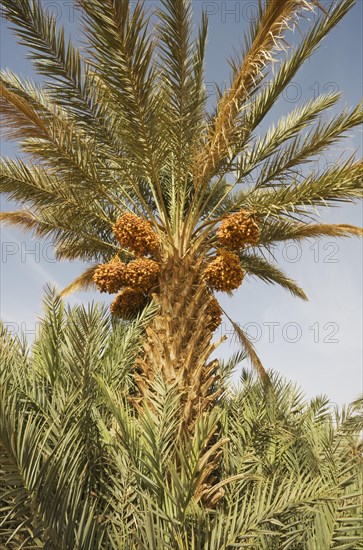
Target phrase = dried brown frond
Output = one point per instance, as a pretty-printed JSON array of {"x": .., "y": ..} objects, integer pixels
[
  {"x": 224, "y": 272},
  {"x": 19, "y": 117},
  {"x": 21, "y": 218},
  {"x": 330, "y": 230},
  {"x": 83, "y": 282}
]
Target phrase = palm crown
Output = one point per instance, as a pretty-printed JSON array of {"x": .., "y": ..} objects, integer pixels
[{"x": 127, "y": 129}]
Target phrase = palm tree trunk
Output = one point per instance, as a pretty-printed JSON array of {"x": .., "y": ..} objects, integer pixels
[{"x": 179, "y": 345}]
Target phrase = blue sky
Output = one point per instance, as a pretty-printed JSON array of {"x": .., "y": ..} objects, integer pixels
[{"x": 318, "y": 344}]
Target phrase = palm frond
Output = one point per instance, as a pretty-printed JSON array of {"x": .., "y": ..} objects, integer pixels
[
  {"x": 259, "y": 267},
  {"x": 265, "y": 98},
  {"x": 70, "y": 241},
  {"x": 249, "y": 349},
  {"x": 281, "y": 230},
  {"x": 83, "y": 282},
  {"x": 57, "y": 58},
  {"x": 284, "y": 163},
  {"x": 33, "y": 186},
  {"x": 22, "y": 218},
  {"x": 182, "y": 68},
  {"x": 285, "y": 129},
  {"x": 17, "y": 113},
  {"x": 122, "y": 49},
  {"x": 55, "y": 139},
  {"x": 267, "y": 36},
  {"x": 341, "y": 183}
]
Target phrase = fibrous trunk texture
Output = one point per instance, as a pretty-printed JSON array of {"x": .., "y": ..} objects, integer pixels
[{"x": 179, "y": 345}]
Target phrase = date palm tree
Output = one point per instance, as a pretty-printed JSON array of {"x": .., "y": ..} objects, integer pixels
[{"x": 124, "y": 161}]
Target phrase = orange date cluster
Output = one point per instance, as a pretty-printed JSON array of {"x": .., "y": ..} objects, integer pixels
[{"x": 137, "y": 278}]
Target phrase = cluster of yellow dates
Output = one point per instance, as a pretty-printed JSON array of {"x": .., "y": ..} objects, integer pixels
[
  {"x": 214, "y": 312},
  {"x": 128, "y": 303},
  {"x": 235, "y": 232},
  {"x": 137, "y": 278},
  {"x": 136, "y": 234}
]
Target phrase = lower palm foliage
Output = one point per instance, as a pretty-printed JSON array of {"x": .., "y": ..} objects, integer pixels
[{"x": 80, "y": 469}]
